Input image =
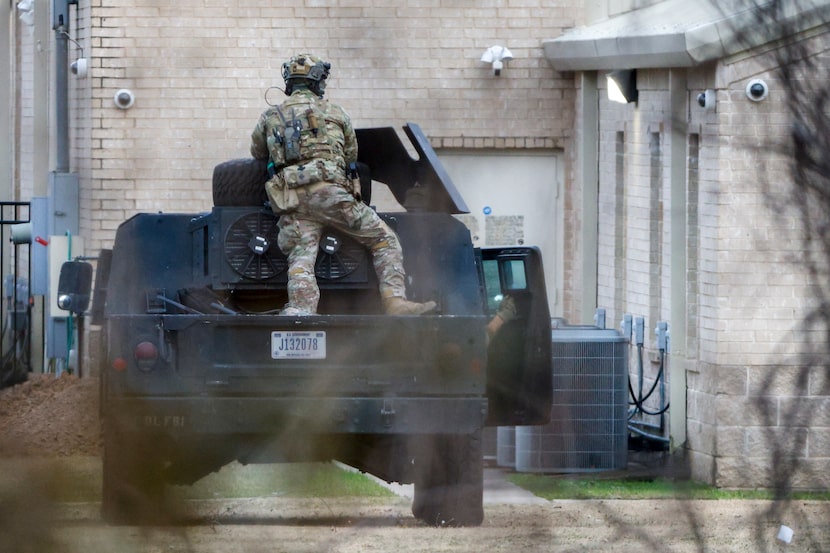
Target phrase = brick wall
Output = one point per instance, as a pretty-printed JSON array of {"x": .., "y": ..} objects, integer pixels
[
  {"x": 200, "y": 70},
  {"x": 769, "y": 403},
  {"x": 756, "y": 412},
  {"x": 25, "y": 154}
]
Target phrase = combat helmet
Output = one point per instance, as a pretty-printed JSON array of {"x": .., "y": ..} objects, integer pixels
[{"x": 306, "y": 69}]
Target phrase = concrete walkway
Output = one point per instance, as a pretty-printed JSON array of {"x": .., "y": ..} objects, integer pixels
[{"x": 497, "y": 489}]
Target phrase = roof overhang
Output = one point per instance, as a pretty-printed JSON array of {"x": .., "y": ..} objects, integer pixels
[{"x": 676, "y": 33}]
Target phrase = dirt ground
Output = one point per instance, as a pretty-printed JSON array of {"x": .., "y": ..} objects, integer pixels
[{"x": 48, "y": 417}]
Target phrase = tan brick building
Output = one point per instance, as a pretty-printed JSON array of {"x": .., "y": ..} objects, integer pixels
[
  {"x": 685, "y": 230},
  {"x": 661, "y": 214}
]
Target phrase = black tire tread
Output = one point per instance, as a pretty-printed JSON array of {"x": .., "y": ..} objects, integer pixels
[
  {"x": 240, "y": 182},
  {"x": 449, "y": 484}
]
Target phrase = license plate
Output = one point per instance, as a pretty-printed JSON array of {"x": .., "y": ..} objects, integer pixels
[{"x": 292, "y": 344}]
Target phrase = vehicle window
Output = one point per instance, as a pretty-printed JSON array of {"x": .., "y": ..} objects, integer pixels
[
  {"x": 501, "y": 276},
  {"x": 492, "y": 285},
  {"x": 514, "y": 274}
]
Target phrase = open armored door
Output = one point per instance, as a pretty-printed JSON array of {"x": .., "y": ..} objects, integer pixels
[{"x": 519, "y": 377}]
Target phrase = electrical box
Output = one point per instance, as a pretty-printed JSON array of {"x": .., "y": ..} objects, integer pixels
[
  {"x": 64, "y": 202},
  {"x": 40, "y": 246}
]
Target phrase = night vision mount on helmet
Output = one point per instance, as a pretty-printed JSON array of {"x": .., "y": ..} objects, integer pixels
[{"x": 306, "y": 69}]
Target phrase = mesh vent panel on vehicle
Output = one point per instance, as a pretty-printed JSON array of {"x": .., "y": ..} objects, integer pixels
[
  {"x": 338, "y": 258},
  {"x": 251, "y": 247}
]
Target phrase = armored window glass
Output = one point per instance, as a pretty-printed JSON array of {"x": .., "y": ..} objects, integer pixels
[{"x": 514, "y": 276}]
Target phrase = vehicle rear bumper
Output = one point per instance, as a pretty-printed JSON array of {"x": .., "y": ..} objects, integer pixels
[{"x": 185, "y": 416}]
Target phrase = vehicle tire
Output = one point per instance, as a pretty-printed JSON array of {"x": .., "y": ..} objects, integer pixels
[
  {"x": 240, "y": 182},
  {"x": 133, "y": 488},
  {"x": 449, "y": 481}
]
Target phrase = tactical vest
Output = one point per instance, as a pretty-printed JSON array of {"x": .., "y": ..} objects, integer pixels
[{"x": 300, "y": 147}]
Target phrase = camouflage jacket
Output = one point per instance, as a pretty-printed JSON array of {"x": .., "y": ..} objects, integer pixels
[{"x": 307, "y": 138}]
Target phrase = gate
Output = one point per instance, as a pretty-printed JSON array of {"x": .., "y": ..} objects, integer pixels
[{"x": 16, "y": 305}]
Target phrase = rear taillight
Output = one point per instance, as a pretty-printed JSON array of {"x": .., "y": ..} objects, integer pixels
[{"x": 146, "y": 354}]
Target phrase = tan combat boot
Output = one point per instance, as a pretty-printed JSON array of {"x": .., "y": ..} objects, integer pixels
[
  {"x": 400, "y": 306},
  {"x": 295, "y": 312}
]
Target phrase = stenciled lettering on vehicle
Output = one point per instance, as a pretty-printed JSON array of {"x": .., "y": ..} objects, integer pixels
[{"x": 164, "y": 421}]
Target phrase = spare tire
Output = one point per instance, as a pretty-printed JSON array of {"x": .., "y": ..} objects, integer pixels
[{"x": 240, "y": 182}]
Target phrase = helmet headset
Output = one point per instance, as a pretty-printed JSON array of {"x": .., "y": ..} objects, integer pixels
[{"x": 305, "y": 70}]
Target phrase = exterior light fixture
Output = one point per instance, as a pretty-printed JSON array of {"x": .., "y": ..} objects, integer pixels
[
  {"x": 622, "y": 86},
  {"x": 496, "y": 55}
]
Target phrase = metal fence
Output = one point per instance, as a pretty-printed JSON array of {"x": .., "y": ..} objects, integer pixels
[{"x": 16, "y": 305}]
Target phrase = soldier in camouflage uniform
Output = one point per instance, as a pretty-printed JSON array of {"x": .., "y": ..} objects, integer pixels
[{"x": 309, "y": 142}]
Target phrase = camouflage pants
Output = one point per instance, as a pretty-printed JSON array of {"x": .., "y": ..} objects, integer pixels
[{"x": 333, "y": 206}]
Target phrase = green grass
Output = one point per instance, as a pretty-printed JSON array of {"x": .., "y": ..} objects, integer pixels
[
  {"x": 586, "y": 487},
  {"x": 78, "y": 479},
  {"x": 286, "y": 480}
]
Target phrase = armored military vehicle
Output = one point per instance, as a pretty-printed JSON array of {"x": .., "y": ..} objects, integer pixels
[{"x": 199, "y": 368}]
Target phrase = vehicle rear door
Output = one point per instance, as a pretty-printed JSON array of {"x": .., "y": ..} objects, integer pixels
[{"x": 519, "y": 378}]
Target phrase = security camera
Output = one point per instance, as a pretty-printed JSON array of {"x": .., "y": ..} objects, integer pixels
[
  {"x": 80, "y": 67},
  {"x": 756, "y": 90},
  {"x": 706, "y": 99},
  {"x": 124, "y": 99}
]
